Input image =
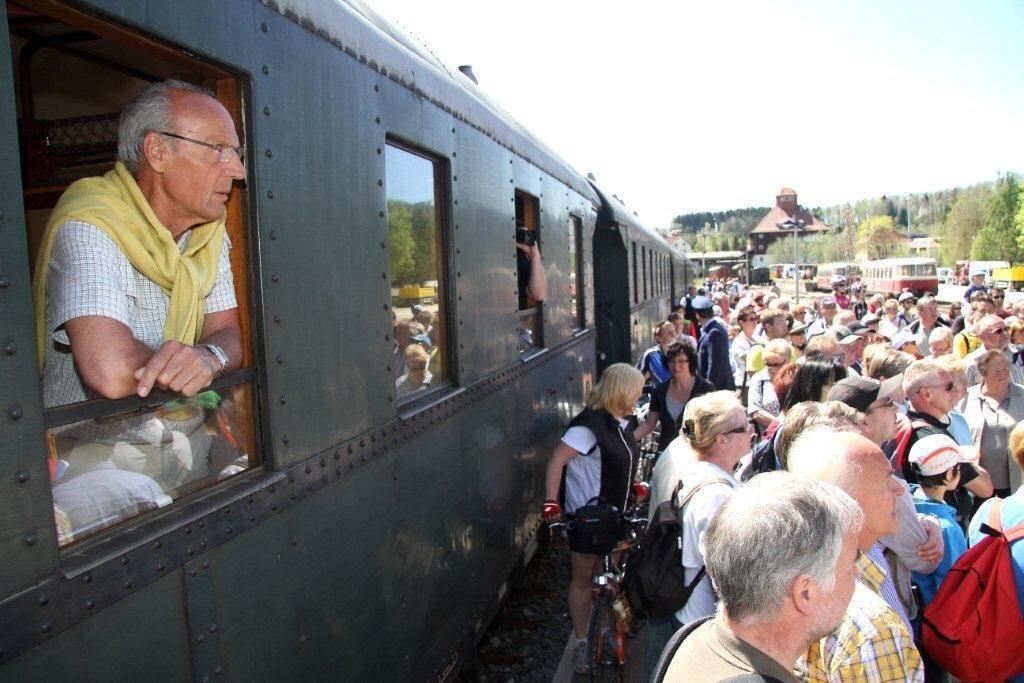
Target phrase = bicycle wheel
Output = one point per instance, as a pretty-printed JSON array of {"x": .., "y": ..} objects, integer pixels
[{"x": 606, "y": 644}]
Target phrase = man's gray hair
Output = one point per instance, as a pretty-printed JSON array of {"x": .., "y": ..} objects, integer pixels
[
  {"x": 149, "y": 111},
  {"x": 922, "y": 374},
  {"x": 776, "y": 528}
]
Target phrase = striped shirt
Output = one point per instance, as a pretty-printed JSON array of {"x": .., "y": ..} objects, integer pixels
[{"x": 871, "y": 643}]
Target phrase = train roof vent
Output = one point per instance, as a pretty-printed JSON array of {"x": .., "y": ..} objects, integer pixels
[{"x": 467, "y": 71}]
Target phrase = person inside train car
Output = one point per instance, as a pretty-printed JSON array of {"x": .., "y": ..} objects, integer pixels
[
  {"x": 993, "y": 335},
  {"x": 654, "y": 363},
  {"x": 857, "y": 303},
  {"x": 713, "y": 347},
  {"x": 917, "y": 545},
  {"x": 872, "y": 641},
  {"x": 669, "y": 399},
  {"x": 977, "y": 285},
  {"x": 715, "y": 434},
  {"x": 930, "y": 393},
  {"x": 743, "y": 343},
  {"x": 134, "y": 289},
  {"x": 596, "y": 458},
  {"x": 827, "y": 311},
  {"x": 779, "y": 591},
  {"x": 838, "y": 284},
  {"x": 532, "y": 280}
]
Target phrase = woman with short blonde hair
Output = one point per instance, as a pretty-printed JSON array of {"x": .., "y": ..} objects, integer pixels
[{"x": 598, "y": 454}]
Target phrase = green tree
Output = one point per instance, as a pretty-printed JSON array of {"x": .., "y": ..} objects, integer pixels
[
  {"x": 877, "y": 237},
  {"x": 997, "y": 240},
  {"x": 401, "y": 243},
  {"x": 964, "y": 221}
]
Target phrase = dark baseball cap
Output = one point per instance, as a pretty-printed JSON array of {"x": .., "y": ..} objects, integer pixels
[{"x": 861, "y": 392}]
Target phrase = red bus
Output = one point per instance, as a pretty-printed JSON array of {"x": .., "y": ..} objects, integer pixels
[{"x": 896, "y": 275}]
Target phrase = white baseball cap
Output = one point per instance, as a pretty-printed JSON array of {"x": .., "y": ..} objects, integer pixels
[{"x": 935, "y": 454}]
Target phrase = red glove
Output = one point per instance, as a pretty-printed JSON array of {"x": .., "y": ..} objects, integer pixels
[
  {"x": 551, "y": 511},
  {"x": 641, "y": 490}
]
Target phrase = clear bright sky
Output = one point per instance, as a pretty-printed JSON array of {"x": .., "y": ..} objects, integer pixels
[{"x": 691, "y": 106}]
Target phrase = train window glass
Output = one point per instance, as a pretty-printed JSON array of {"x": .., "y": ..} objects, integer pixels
[
  {"x": 416, "y": 251},
  {"x": 636, "y": 288},
  {"x": 111, "y": 460},
  {"x": 528, "y": 238},
  {"x": 576, "y": 275},
  {"x": 643, "y": 270}
]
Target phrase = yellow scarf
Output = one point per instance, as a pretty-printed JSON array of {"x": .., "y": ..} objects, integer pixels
[{"x": 115, "y": 204}]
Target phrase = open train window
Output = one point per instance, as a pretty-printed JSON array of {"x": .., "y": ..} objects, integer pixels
[
  {"x": 416, "y": 248},
  {"x": 111, "y": 460},
  {"x": 528, "y": 237},
  {"x": 576, "y": 274}
]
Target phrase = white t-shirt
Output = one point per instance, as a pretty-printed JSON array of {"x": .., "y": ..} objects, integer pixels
[
  {"x": 583, "y": 473},
  {"x": 695, "y": 518}
]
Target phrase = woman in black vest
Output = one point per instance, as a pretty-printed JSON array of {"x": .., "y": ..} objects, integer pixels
[
  {"x": 598, "y": 454},
  {"x": 670, "y": 398}
]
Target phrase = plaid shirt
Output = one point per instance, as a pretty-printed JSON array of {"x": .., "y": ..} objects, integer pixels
[
  {"x": 89, "y": 275},
  {"x": 871, "y": 643}
]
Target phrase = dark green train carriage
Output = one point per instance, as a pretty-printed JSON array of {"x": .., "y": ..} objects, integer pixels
[{"x": 365, "y": 535}]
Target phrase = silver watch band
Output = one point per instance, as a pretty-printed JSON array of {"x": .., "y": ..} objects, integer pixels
[{"x": 221, "y": 357}]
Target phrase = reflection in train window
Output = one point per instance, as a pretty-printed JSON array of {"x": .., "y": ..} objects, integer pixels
[
  {"x": 76, "y": 74},
  {"x": 416, "y": 250}
]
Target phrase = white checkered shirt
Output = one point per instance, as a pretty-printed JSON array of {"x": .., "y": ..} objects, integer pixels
[{"x": 90, "y": 276}]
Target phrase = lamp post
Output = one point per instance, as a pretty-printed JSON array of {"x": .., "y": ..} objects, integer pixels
[
  {"x": 795, "y": 226},
  {"x": 705, "y": 229}
]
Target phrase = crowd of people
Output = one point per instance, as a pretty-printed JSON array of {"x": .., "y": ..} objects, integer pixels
[{"x": 839, "y": 457}]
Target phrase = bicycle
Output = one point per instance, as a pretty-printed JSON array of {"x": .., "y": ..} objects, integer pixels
[{"x": 611, "y": 618}]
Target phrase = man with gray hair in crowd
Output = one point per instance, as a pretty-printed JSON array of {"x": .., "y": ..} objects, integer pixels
[
  {"x": 994, "y": 336},
  {"x": 781, "y": 554},
  {"x": 872, "y": 642}
]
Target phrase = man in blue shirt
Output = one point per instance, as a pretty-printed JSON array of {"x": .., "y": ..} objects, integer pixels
[{"x": 713, "y": 347}]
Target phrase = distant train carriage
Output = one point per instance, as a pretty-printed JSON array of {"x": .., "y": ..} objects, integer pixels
[
  {"x": 915, "y": 275},
  {"x": 827, "y": 271}
]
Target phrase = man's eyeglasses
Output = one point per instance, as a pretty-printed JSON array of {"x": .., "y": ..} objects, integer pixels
[
  {"x": 1001, "y": 331},
  {"x": 948, "y": 387},
  {"x": 225, "y": 153}
]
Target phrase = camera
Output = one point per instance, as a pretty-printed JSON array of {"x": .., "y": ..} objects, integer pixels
[{"x": 527, "y": 237}]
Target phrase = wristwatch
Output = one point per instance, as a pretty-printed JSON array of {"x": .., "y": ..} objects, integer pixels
[{"x": 221, "y": 357}]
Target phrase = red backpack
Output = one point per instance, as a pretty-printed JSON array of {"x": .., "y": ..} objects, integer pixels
[
  {"x": 905, "y": 429},
  {"x": 974, "y": 628}
]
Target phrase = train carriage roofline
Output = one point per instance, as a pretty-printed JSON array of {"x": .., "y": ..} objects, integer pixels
[
  {"x": 395, "y": 53},
  {"x": 614, "y": 211}
]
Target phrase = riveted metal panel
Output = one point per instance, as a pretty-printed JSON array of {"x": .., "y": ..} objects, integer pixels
[
  {"x": 484, "y": 235},
  {"x": 201, "y": 615},
  {"x": 28, "y": 542},
  {"x": 325, "y": 276},
  {"x": 141, "y": 638}
]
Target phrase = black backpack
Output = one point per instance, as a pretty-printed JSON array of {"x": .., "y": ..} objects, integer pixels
[{"x": 655, "y": 582}]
